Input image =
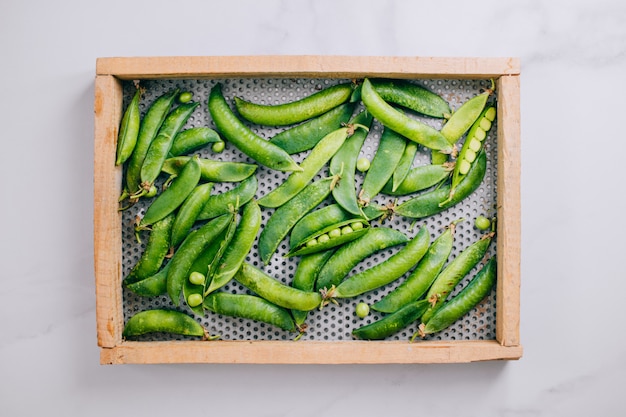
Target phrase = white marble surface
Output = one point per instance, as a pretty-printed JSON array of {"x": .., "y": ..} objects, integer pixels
[{"x": 573, "y": 56}]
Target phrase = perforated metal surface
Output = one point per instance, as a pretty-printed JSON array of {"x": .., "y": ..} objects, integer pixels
[{"x": 334, "y": 322}]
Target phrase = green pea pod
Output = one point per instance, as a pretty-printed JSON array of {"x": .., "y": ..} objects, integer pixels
[
  {"x": 160, "y": 320},
  {"x": 331, "y": 237},
  {"x": 162, "y": 143},
  {"x": 418, "y": 179},
  {"x": 401, "y": 123},
  {"x": 412, "y": 96},
  {"x": 306, "y": 135},
  {"x": 239, "y": 247},
  {"x": 219, "y": 204},
  {"x": 151, "y": 286},
  {"x": 212, "y": 170},
  {"x": 312, "y": 164},
  {"x": 188, "y": 212},
  {"x": 244, "y": 138},
  {"x": 392, "y": 323},
  {"x": 150, "y": 125},
  {"x": 317, "y": 220},
  {"x": 170, "y": 199},
  {"x": 348, "y": 256},
  {"x": 478, "y": 288},
  {"x": 428, "y": 204},
  {"x": 191, "y": 139},
  {"x": 474, "y": 143},
  {"x": 156, "y": 249},
  {"x": 286, "y": 216},
  {"x": 343, "y": 165},
  {"x": 295, "y": 111},
  {"x": 404, "y": 165},
  {"x": 418, "y": 282},
  {"x": 388, "y": 154},
  {"x": 460, "y": 121},
  {"x": 453, "y": 274},
  {"x": 385, "y": 272},
  {"x": 274, "y": 291},
  {"x": 304, "y": 279},
  {"x": 249, "y": 307},
  {"x": 193, "y": 245},
  {"x": 129, "y": 130}
]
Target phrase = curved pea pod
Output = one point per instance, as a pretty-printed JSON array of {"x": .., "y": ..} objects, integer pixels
[
  {"x": 193, "y": 138},
  {"x": 317, "y": 220},
  {"x": 428, "y": 203},
  {"x": 478, "y": 288},
  {"x": 312, "y": 164},
  {"x": 170, "y": 199},
  {"x": 151, "y": 286},
  {"x": 276, "y": 292},
  {"x": 306, "y": 135},
  {"x": 404, "y": 165},
  {"x": 385, "y": 272},
  {"x": 296, "y": 111},
  {"x": 454, "y": 272},
  {"x": 412, "y": 96},
  {"x": 330, "y": 237},
  {"x": 392, "y": 323},
  {"x": 286, "y": 216},
  {"x": 304, "y": 279},
  {"x": 474, "y": 143},
  {"x": 188, "y": 212},
  {"x": 154, "y": 254},
  {"x": 150, "y": 125},
  {"x": 461, "y": 120},
  {"x": 219, "y": 204},
  {"x": 244, "y": 139},
  {"x": 401, "y": 123},
  {"x": 249, "y": 307},
  {"x": 418, "y": 282},
  {"x": 389, "y": 152},
  {"x": 343, "y": 165},
  {"x": 212, "y": 170},
  {"x": 161, "y": 320},
  {"x": 418, "y": 179},
  {"x": 162, "y": 143},
  {"x": 348, "y": 256},
  {"x": 193, "y": 245},
  {"x": 238, "y": 248},
  {"x": 129, "y": 130}
]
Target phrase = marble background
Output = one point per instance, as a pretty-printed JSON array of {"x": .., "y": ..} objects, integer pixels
[{"x": 573, "y": 94}]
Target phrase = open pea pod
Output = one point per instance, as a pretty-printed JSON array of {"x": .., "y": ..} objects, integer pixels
[{"x": 330, "y": 237}]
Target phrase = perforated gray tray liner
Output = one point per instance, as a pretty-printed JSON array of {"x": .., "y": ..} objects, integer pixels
[{"x": 333, "y": 322}]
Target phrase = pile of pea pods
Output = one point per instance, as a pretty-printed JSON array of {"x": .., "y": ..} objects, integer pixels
[{"x": 203, "y": 224}]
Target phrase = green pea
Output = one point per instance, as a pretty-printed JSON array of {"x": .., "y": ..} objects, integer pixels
[
  {"x": 274, "y": 291},
  {"x": 297, "y": 111},
  {"x": 218, "y": 147},
  {"x": 150, "y": 125},
  {"x": 196, "y": 278},
  {"x": 346, "y": 230},
  {"x": 244, "y": 139},
  {"x": 305, "y": 136},
  {"x": 482, "y": 223},
  {"x": 363, "y": 164},
  {"x": 478, "y": 288},
  {"x": 464, "y": 166},
  {"x": 129, "y": 130},
  {"x": 392, "y": 323},
  {"x": 485, "y": 124},
  {"x": 194, "y": 300},
  {"x": 311, "y": 243},
  {"x": 323, "y": 238},
  {"x": 412, "y": 96},
  {"x": 334, "y": 233},
  {"x": 357, "y": 225},
  {"x": 362, "y": 310},
  {"x": 161, "y": 320},
  {"x": 490, "y": 114},
  {"x": 401, "y": 123},
  {"x": 470, "y": 156},
  {"x": 317, "y": 158},
  {"x": 185, "y": 97},
  {"x": 474, "y": 144}
]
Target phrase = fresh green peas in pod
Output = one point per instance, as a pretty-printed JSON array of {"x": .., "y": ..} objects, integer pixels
[
  {"x": 161, "y": 320},
  {"x": 244, "y": 139},
  {"x": 404, "y": 165},
  {"x": 305, "y": 136},
  {"x": 191, "y": 139},
  {"x": 152, "y": 286},
  {"x": 392, "y": 323},
  {"x": 297, "y": 111},
  {"x": 219, "y": 204},
  {"x": 212, "y": 170},
  {"x": 322, "y": 240},
  {"x": 129, "y": 130},
  {"x": 187, "y": 214},
  {"x": 304, "y": 279},
  {"x": 412, "y": 96},
  {"x": 418, "y": 179}
]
